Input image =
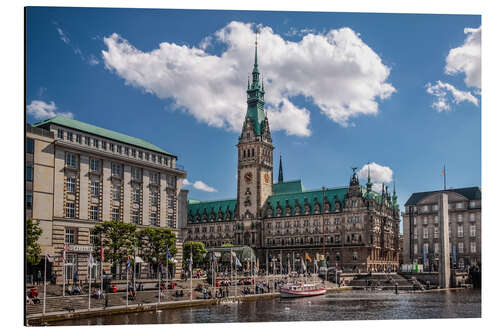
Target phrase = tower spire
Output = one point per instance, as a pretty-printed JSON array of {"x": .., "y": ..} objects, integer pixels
[
  {"x": 369, "y": 182},
  {"x": 280, "y": 174}
]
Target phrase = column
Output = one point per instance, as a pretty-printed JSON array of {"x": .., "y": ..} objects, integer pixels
[
  {"x": 84, "y": 187},
  {"x": 444, "y": 251},
  {"x": 126, "y": 193}
]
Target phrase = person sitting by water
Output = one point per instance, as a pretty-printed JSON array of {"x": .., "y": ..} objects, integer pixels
[
  {"x": 28, "y": 300},
  {"x": 76, "y": 290}
]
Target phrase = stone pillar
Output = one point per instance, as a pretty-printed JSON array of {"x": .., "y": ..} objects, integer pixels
[{"x": 444, "y": 240}]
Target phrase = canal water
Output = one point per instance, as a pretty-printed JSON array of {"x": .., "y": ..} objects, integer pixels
[{"x": 346, "y": 305}]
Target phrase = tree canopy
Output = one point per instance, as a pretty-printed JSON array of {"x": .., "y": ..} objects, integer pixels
[
  {"x": 33, "y": 250},
  {"x": 199, "y": 251},
  {"x": 153, "y": 243}
]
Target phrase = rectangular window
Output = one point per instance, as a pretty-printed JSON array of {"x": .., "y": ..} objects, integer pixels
[
  {"x": 415, "y": 248},
  {"x": 115, "y": 169},
  {"x": 472, "y": 230},
  {"x": 460, "y": 205},
  {"x": 94, "y": 213},
  {"x": 155, "y": 178},
  {"x": 135, "y": 216},
  {"x": 436, "y": 219},
  {"x": 171, "y": 181},
  {"x": 140, "y": 154},
  {"x": 112, "y": 147},
  {"x": 70, "y": 209},
  {"x": 29, "y": 200},
  {"x": 425, "y": 208},
  {"x": 460, "y": 231},
  {"x": 116, "y": 192},
  {"x": 171, "y": 202},
  {"x": 136, "y": 195},
  {"x": 425, "y": 220},
  {"x": 71, "y": 160},
  {"x": 473, "y": 247},
  {"x": 119, "y": 149},
  {"x": 171, "y": 221},
  {"x": 104, "y": 145},
  {"x": 96, "y": 143},
  {"x": 436, "y": 232},
  {"x": 146, "y": 155},
  {"x": 460, "y": 247},
  {"x": 472, "y": 204},
  {"x": 460, "y": 218},
  {"x": 126, "y": 151},
  {"x": 133, "y": 153},
  {"x": 415, "y": 234},
  {"x": 70, "y": 184},
  {"x": 79, "y": 138},
  {"x": 94, "y": 165},
  {"x": 29, "y": 173},
  {"x": 436, "y": 247},
  {"x": 426, "y": 233},
  {"x": 136, "y": 173},
  {"x": 70, "y": 236},
  {"x": 70, "y": 136},
  {"x": 154, "y": 220},
  {"x": 154, "y": 197},
  {"x": 435, "y": 208},
  {"x": 87, "y": 140},
  {"x": 30, "y": 145},
  {"x": 472, "y": 217},
  {"x": 60, "y": 133},
  {"x": 115, "y": 214},
  {"x": 94, "y": 188},
  {"x": 153, "y": 158}
]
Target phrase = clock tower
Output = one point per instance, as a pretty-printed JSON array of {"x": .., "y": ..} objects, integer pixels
[{"x": 255, "y": 152}]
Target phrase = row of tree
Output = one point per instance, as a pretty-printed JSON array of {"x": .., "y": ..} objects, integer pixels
[{"x": 121, "y": 241}]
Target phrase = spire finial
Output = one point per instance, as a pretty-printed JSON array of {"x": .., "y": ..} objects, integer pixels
[
  {"x": 256, "y": 33},
  {"x": 280, "y": 174}
]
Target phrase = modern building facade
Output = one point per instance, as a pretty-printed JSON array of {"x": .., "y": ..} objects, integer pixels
[
  {"x": 421, "y": 228},
  {"x": 352, "y": 227},
  {"x": 78, "y": 174}
]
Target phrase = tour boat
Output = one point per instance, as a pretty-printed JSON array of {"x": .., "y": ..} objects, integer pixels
[{"x": 301, "y": 290}]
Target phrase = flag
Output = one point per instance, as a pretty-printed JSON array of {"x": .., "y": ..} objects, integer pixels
[
  {"x": 128, "y": 262},
  {"x": 91, "y": 260},
  {"x": 64, "y": 254},
  {"x": 102, "y": 253},
  {"x": 237, "y": 263},
  {"x": 168, "y": 254},
  {"x": 308, "y": 258},
  {"x": 190, "y": 262},
  {"x": 49, "y": 258},
  {"x": 304, "y": 268},
  {"x": 443, "y": 172}
]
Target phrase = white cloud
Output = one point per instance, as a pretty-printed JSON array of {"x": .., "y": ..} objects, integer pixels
[
  {"x": 378, "y": 174},
  {"x": 42, "y": 110},
  {"x": 92, "y": 60},
  {"x": 467, "y": 58},
  {"x": 64, "y": 37},
  {"x": 336, "y": 71},
  {"x": 446, "y": 93},
  {"x": 199, "y": 185}
]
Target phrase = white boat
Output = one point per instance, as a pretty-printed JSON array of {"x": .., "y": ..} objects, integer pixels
[{"x": 301, "y": 290}]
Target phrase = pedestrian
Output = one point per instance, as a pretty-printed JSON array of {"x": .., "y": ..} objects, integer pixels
[
  {"x": 75, "y": 277},
  {"x": 39, "y": 277}
]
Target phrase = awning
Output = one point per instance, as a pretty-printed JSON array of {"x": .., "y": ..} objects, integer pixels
[{"x": 138, "y": 260}]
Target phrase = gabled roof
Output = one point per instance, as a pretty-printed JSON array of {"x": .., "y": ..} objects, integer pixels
[
  {"x": 102, "y": 132},
  {"x": 288, "y": 187},
  {"x": 471, "y": 193}
]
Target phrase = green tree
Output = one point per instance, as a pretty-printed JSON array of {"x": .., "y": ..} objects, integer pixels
[
  {"x": 118, "y": 240},
  {"x": 199, "y": 251},
  {"x": 33, "y": 250},
  {"x": 153, "y": 243}
]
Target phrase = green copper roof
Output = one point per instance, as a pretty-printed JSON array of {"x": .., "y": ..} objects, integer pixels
[
  {"x": 291, "y": 186},
  {"x": 95, "y": 130},
  {"x": 311, "y": 196},
  {"x": 195, "y": 206}
]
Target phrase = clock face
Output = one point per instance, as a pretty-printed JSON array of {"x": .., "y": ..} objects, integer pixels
[
  {"x": 248, "y": 177},
  {"x": 267, "y": 178}
]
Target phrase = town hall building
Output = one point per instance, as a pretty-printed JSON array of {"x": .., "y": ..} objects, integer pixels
[{"x": 351, "y": 227}]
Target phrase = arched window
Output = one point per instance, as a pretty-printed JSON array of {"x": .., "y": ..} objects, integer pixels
[
  {"x": 244, "y": 153},
  {"x": 355, "y": 256},
  {"x": 253, "y": 152}
]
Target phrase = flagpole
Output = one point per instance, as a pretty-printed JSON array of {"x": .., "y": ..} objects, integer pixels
[
  {"x": 166, "y": 280},
  {"x": 444, "y": 177},
  {"x": 159, "y": 281},
  {"x": 126, "y": 294},
  {"x": 90, "y": 276},
  {"x": 231, "y": 267},
  {"x": 191, "y": 273},
  {"x": 235, "y": 275},
  {"x": 102, "y": 264},
  {"x": 44, "y": 283},
  {"x": 64, "y": 269}
]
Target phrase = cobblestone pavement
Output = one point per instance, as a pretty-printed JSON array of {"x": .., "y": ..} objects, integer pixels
[{"x": 56, "y": 303}]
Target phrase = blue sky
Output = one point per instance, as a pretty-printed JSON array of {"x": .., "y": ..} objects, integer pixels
[{"x": 401, "y": 100}]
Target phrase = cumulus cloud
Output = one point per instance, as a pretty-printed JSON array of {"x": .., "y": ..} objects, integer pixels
[
  {"x": 336, "y": 71},
  {"x": 467, "y": 58},
  {"x": 199, "y": 185},
  {"x": 378, "y": 174},
  {"x": 446, "y": 93},
  {"x": 42, "y": 110}
]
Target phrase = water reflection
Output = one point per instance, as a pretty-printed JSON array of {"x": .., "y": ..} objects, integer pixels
[{"x": 349, "y": 305}]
